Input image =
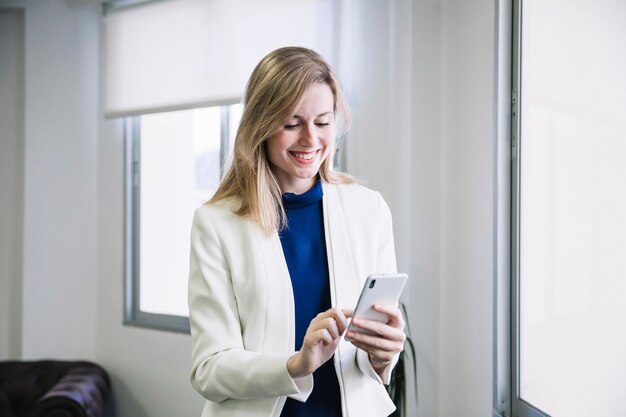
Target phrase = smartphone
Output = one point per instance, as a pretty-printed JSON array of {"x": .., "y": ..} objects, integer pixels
[{"x": 382, "y": 289}]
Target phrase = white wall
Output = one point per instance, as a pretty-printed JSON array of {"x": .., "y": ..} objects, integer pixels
[
  {"x": 443, "y": 176},
  {"x": 466, "y": 276},
  {"x": 425, "y": 200},
  {"x": 60, "y": 133},
  {"x": 11, "y": 180},
  {"x": 73, "y": 223},
  {"x": 435, "y": 170},
  {"x": 149, "y": 368}
]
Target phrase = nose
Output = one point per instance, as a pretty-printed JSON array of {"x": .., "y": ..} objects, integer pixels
[{"x": 309, "y": 135}]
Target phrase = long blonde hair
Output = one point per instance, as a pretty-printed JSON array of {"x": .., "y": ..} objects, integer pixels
[{"x": 272, "y": 96}]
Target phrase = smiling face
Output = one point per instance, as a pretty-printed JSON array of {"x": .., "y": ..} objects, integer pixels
[{"x": 298, "y": 149}]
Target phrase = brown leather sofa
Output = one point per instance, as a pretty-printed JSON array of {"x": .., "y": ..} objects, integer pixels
[{"x": 50, "y": 388}]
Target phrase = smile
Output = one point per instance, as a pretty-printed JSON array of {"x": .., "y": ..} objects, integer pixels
[{"x": 304, "y": 156}]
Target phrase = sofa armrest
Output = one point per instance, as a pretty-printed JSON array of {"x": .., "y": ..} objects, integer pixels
[{"x": 81, "y": 392}]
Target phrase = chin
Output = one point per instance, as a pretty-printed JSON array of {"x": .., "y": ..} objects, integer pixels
[{"x": 308, "y": 175}]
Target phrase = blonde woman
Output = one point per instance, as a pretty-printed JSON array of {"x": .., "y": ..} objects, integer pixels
[{"x": 279, "y": 256}]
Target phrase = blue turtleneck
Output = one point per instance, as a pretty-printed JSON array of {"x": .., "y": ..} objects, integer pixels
[{"x": 304, "y": 247}]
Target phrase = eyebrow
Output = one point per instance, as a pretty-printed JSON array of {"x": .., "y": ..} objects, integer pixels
[{"x": 295, "y": 116}]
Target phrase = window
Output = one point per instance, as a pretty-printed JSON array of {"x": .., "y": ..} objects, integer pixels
[
  {"x": 174, "y": 157},
  {"x": 569, "y": 278},
  {"x": 174, "y": 163}
]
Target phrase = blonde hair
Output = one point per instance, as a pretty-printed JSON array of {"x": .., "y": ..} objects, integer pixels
[{"x": 272, "y": 96}]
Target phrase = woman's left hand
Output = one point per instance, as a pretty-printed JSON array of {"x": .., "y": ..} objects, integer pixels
[{"x": 387, "y": 339}]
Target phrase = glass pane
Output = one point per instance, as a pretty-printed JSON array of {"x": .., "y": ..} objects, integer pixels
[
  {"x": 180, "y": 170},
  {"x": 573, "y": 200}
]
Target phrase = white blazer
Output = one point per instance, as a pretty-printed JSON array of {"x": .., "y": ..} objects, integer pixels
[{"x": 241, "y": 306}]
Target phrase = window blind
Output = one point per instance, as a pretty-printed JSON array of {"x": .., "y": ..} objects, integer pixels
[{"x": 176, "y": 54}]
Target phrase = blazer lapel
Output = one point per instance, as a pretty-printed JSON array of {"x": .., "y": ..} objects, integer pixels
[
  {"x": 280, "y": 309},
  {"x": 344, "y": 280}
]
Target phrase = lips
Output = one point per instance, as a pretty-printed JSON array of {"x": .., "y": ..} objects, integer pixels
[{"x": 303, "y": 157}]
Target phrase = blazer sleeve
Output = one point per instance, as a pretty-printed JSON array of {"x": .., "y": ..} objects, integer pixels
[
  {"x": 221, "y": 366},
  {"x": 385, "y": 263}
]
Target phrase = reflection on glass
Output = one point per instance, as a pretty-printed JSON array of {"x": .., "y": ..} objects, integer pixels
[{"x": 573, "y": 200}]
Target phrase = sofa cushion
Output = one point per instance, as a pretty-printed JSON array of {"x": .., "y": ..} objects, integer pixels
[{"x": 52, "y": 388}]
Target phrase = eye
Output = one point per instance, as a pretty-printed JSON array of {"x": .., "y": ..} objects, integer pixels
[
  {"x": 293, "y": 126},
  {"x": 322, "y": 124}
]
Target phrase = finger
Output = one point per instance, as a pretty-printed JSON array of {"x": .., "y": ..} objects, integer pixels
[
  {"x": 332, "y": 327},
  {"x": 317, "y": 337},
  {"x": 338, "y": 315},
  {"x": 341, "y": 319},
  {"x": 327, "y": 323},
  {"x": 376, "y": 346},
  {"x": 381, "y": 329},
  {"x": 323, "y": 337},
  {"x": 394, "y": 313},
  {"x": 376, "y": 342},
  {"x": 378, "y": 355}
]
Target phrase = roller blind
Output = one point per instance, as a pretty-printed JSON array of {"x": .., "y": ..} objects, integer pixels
[{"x": 176, "y": 54}]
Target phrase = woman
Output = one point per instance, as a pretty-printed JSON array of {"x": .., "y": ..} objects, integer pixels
[{"x": 280, "y": 254}]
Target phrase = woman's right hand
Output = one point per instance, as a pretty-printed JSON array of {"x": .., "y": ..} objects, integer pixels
[{"x": 320, "y": 342}]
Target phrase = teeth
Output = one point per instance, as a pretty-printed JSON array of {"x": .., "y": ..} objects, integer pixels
[{"x": 304, "y": 155}]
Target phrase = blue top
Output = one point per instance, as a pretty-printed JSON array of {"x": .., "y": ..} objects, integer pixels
[{"x": 304, "y": 247}]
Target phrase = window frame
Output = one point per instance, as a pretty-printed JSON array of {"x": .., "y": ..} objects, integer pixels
[
  {"x": 133, "y": 315},
  {"x": 503, "y": 240},
  {"x": 519, "y": 407},
  {"x": 506, "y": 390}
]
